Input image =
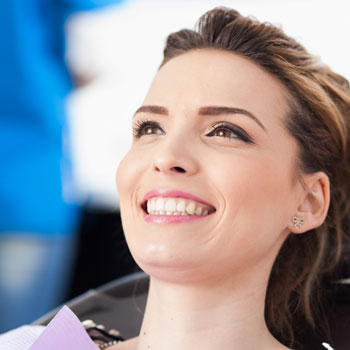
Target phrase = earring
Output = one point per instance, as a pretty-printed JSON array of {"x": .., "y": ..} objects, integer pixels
[{"x": 297, "y": 221}]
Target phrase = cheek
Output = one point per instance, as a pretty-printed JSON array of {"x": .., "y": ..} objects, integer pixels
[
  {"x": 126, "y": 178},
  {"x": 127, "y": 174},
  {"x": 254, "y": 213},
  {"x": 121, "y": 177},
  {"x": 256, "y": 192}
]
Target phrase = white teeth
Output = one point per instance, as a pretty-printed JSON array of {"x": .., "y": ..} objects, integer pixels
[
  {"x": 153, "y": 205},
  {"x": 170, "y": 205},
  {"x": 159, "y": 204},
  {"x": 198, "y": 211},
  {"x": 191, "y": 207},
  {"x": 181, "y": 206},
  {"x": 175, "y": 206}
]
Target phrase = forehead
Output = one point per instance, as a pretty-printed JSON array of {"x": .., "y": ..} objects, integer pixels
[{"x": 216, "y": 77}]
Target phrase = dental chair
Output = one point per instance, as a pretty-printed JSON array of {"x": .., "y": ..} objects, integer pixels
[{"x": 120, "y": 305}]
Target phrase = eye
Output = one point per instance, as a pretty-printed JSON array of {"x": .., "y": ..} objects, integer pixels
[
  {"x": 224, "y": 133},
  {"x": 229, "y": 131},
  {"x": 143, "y": 127}
]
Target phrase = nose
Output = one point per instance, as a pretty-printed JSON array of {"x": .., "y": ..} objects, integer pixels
[{"x": 175, "y": 156}]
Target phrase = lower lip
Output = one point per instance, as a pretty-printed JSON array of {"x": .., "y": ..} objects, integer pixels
[{"x": 171, "y": 219}]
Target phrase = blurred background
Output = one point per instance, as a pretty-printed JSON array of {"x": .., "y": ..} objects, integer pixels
[{"x": 96, "y": 75}]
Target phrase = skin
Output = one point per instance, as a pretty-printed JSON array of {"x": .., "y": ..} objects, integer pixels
[{"x": 209, "y": 276}]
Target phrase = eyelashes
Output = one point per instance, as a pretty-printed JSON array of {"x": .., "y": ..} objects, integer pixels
[
  {"x": 146, "y": 127},
  {"x": 230, "y": 131},
  {"x": 227, "y": 131}
]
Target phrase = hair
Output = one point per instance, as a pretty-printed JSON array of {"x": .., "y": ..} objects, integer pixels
[{"x": 319, "y": 119}]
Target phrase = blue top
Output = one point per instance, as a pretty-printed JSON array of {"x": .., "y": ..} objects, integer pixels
[{"x": 34, "y": 81}]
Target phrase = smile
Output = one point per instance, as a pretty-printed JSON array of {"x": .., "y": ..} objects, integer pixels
[{"x": 174, "y": 204}]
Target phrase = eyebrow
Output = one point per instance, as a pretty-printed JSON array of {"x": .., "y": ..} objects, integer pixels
[
  {"x": 218, "y": 110},
  {"x": 207, "y": 110},
  {"x": 152, "y": 109}
]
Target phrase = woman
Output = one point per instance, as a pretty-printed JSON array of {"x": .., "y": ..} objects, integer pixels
[{"x": 235, "y": 193}]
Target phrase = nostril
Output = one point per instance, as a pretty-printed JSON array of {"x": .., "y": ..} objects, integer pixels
[{"x": 178, "y": 169}]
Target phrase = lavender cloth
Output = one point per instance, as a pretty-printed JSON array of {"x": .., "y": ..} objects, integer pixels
[{"x": 65, "y": 331}]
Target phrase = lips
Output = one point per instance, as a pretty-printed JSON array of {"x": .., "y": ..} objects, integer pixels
[{"x": 175, "y": 203}]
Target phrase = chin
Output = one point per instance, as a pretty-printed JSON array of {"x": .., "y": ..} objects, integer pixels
[{"x": 164, "y": 264}]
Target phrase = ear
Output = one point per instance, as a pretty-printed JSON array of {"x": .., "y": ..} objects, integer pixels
[{"x": 314, "y": 202}]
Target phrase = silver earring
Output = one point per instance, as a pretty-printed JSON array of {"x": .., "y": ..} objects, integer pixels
[{"x": 297, "y": 221}]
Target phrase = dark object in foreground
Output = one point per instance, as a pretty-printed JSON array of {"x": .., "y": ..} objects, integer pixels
[{"x": 102, "y": 254}]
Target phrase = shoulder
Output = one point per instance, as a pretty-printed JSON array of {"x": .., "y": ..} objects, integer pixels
[{"x": 20, "y": 338}]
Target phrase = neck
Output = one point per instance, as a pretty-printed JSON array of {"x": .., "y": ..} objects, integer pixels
[{"x": 192, "y": 316}]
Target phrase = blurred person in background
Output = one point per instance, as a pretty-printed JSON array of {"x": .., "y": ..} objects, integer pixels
[{"x": 40, "y": 209}]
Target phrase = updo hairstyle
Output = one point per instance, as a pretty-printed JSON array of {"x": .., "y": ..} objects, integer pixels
[{"x": 319, "y": 119}]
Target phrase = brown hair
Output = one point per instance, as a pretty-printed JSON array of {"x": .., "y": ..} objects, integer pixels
[{"x": 319, "y": 119}]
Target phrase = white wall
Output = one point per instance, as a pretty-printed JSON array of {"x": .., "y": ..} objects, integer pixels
[{"x": 123, "y": 46}]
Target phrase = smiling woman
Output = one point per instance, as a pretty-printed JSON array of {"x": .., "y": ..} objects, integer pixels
[{"x": 235, "y": 193}]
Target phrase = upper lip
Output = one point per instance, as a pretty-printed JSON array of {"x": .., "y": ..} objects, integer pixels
[{"x": 173, "y": 194}]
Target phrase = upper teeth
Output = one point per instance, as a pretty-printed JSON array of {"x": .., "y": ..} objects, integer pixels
[{"x": 175, "y": 206}]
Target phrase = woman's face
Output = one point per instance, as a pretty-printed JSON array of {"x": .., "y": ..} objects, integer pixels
[{"x": 208, "y": 187}]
